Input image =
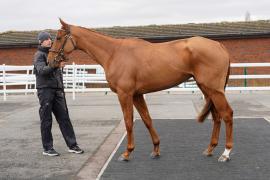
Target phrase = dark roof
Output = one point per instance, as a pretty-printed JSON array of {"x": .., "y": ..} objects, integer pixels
[{"x": 156, "y": 33}]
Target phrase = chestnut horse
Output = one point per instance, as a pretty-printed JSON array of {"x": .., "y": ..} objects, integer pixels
[{"x": 134, "y": 67}]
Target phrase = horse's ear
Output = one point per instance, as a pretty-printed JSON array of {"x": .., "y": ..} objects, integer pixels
[{"x": 65, "y": 26}]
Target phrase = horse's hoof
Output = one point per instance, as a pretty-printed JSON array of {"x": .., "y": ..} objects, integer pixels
[
  {"x": 207, "y": 153},
  {"x": 123, "y": 158},
  {"x": 155, "y": 155},
  {"x": 223, "y": 158}
]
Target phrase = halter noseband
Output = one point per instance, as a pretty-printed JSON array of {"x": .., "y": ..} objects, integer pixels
[{"x": 60, "y": 53}]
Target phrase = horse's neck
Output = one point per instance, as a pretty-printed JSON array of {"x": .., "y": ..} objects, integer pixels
[{"x": 99, "y": 46}]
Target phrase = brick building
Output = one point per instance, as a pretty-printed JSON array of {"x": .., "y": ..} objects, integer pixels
[{"x": 246, "y": 41}]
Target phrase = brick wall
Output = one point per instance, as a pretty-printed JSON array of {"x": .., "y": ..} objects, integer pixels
[
  {"x": 24, "y": 56},
  {"x": 248, "y": 50},
  {"x": 241, "y": 50}
]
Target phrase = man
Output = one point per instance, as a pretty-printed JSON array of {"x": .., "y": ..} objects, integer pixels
[{"x": 50, "y": 91}]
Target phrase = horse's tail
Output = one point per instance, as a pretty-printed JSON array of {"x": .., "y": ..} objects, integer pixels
[
  {"x": 205, "y": 111},
  {"x": 228, "y": 74}
]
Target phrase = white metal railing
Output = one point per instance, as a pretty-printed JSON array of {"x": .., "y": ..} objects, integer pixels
[{"x": 77, "y": 77}]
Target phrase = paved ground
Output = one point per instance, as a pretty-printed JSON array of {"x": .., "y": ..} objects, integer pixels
[{"x": 96, "y": 118}]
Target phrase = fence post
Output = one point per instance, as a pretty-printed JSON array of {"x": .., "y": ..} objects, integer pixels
[
  {"x": 35, "y": 84},
  {"x": 74, "y": 79},
  {"x": 84, "y": 72},
  {"x": 27, "y": 77},
  {"x": 4, "y": 83},
  {"x": 144, "y": 96},
  {"x": 245, "y": 80}
]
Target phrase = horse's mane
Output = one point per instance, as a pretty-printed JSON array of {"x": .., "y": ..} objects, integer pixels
[
  {"x": 107, "y": 35},
  {"x": 93, "y": 31}
]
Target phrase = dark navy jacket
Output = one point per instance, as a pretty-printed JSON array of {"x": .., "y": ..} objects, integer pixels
[{"x": 46, "y": 76}]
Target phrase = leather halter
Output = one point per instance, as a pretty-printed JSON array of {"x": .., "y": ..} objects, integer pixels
[{"x": 60, "y": 56}]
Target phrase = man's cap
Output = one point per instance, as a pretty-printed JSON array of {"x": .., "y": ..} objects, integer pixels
[{"x": 42, "y": 36}]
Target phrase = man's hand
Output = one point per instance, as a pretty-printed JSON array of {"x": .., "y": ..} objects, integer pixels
[
  {"x": 62, "y": 64},
  {"x": 57, "y": 64}
]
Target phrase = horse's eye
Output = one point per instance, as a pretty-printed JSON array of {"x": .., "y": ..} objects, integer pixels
[{"x": 58, "y": 38}]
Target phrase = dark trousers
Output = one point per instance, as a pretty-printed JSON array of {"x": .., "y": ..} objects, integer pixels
[{"x": 53, "y": 100}]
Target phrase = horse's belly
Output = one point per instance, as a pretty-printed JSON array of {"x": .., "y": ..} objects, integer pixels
[{"x": 160, "y": 82}]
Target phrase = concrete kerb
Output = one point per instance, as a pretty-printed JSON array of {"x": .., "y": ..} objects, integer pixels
[{"x": 95, "y": 164}]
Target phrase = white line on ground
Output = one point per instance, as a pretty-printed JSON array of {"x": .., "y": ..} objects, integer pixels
[
  {"x": 267, "y": 119},
  {"x": 111, "y": 156}
]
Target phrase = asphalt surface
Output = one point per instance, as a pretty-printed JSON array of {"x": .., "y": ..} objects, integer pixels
[
  {"x": 182, "y": 144},
  {"x": 96, "y": 119}
]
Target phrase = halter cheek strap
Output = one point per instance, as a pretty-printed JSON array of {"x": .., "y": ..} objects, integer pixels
[{"x": 60, "y": 53}]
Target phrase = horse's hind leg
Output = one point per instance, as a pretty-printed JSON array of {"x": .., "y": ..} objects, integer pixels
[
  {"x": 140, "y": 105},
  {"x": 216, "y": 121},
  {"x": 226, "y": 113},
  {"x": 215, "y": 132}
]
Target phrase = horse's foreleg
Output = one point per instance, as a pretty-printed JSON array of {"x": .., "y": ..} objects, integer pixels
[
  {"x": 215, "y": 133},
  {"x": 126, "y": 102},
  {"x": 141, "y": 107}
]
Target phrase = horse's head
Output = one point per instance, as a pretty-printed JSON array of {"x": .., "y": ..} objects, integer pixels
[{"x": 63, "y": 45}]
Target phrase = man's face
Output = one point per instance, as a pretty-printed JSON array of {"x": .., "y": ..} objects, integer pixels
[{"x": 47, "y": 43}]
